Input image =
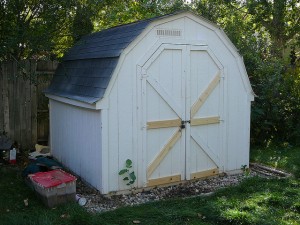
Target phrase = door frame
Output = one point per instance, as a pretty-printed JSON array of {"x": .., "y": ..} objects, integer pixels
[{"x": 141, "y": 76}]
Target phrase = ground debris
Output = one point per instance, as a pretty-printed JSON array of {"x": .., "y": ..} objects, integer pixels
[{"x": 268, "y": 171}]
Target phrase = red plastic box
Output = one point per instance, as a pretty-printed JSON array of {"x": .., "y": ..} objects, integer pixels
[{"x": 54, "y": 187}]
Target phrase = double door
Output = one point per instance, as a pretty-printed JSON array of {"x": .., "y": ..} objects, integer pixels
[{"x": 182, "y": 112}]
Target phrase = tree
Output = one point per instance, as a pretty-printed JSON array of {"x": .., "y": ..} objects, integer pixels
[
  {"x": 37, "y": 29},
  {"x": 126, "y": 11},
  {"x": 28, "y": 27},
  {"x": 281, "y": 18}
]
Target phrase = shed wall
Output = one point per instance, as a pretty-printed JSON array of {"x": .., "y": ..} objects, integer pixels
[
  {"x": 76, "y": 140},
  {"x": 125, "y": 126}
]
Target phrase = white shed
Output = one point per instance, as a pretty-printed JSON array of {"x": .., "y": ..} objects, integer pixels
[{"x": 170, "y": 93}]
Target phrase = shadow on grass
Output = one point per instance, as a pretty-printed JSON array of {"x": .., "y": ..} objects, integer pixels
[{"x": 254, "y": 201}]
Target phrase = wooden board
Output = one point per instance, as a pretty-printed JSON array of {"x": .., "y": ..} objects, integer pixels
[
  {"x": 5, "y": 103},
  {"x": 19, "y": 101},
  {"x": 162, "y": 154},
  {"x": 200, "y": 101},
  {"x": 205, "y": 120},
  {"x": 163, "y": 124},
  {"x": 164, "y": 180},
  {"x": 205, "y": 173}
]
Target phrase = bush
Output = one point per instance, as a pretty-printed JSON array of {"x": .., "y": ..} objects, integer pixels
[{"x": 277, "y": 106}]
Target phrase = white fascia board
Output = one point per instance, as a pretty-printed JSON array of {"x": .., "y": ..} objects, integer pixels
[{"x": 71, "y": 102}]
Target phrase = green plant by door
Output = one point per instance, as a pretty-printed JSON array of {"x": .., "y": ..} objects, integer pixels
[{"x": 128, "y": 173}]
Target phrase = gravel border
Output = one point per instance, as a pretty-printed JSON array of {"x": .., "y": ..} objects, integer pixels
[{"x": 96, "y": 202}]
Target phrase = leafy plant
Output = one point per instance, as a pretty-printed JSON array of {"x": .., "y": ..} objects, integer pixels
[
  {"x": 245, "y": 169},
  {"x": 128, "y": 173}
]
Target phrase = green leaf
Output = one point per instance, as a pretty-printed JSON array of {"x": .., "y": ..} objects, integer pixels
[
  {"x": 125, "y": 178},
  {"x": 123, "y": 171},
  {"x": 128, "y": 163},
  {"x": 132, "y": 176},
  {"x": 131, "y": 182}
]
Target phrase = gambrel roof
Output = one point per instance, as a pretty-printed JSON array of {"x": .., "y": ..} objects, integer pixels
[{"x": 87, "y": 68}]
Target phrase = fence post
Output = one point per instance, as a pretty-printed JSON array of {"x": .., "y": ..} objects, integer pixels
[
  {"x": 33, "y": 88},
  {"x": 5, "y": 94}
]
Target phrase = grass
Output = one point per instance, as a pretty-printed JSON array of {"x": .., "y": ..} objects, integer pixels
[
  {"x": 282, "y": 157},
  {"x": 254, "y": 201}
]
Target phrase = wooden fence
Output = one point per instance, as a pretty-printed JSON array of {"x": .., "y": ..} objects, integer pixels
[{"x": 24, "y": 114}]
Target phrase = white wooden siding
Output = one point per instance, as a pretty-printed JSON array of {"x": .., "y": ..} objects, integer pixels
[
  {"x": 125, "y": 121},
  {"x": 238, "y": 122},
  {"x": 76, "y": 133},
  {"x": 76, "y": 140}
]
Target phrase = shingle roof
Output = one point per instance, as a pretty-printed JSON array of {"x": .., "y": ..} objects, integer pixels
[
  {"x": 87, "y": 68},
  {"x": 107, "y": 43},
  {"x": 84, "y": 80}
]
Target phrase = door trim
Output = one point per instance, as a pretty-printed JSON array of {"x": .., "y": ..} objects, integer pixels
[{"x": 145, "y": 171}]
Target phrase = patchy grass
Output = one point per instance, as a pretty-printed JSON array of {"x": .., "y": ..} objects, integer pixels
[
  {"x": 282, "y": 157},
  {"x": 254, "y": 201}
]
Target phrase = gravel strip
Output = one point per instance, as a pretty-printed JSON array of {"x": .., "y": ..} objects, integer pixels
[
  {"x": 100, "y": 203},
  {"x": 97, "y": 202}
]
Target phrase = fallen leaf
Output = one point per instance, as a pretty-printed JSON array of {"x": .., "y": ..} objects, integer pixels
[
  {"x": 65, "y": 216},
  {"x": 26, "y": 202},
  {"x": 136, "y": 221}
]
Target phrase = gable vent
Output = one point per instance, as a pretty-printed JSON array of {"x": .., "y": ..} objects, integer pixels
[{"x": 168, "y": 32}]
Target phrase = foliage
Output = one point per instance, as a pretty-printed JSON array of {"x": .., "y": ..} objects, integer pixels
[
  {"x": 120, "y": 12},
  {"x": 246, "y": 170},
  {"x": 28, "y": 27},
  {"x": 82, "y": 23},
  {"x": 275, "y": 112},
  {"x": 267, "y": 34},
  {"x": 254, "y": 201},
  {"x": 37, "y": 29},
  {"x": 281, "y": 18},
  {"x": 128, "y": 173}
]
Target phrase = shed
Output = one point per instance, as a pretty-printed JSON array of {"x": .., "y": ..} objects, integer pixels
[{"x": 169, "y": 93}]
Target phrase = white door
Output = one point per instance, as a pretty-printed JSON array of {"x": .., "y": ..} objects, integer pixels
[
  {"x": 181, "y": 112},
  {"x": 204, "y": 105}
]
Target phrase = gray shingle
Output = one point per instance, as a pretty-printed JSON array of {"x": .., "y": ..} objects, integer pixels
[
  {"x": 107, "y": 43},
  {"x": 84, "y": 81},
  {"x": 86, "y": 69}
]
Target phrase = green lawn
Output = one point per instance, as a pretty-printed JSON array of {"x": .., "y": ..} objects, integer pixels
[
  {"x": 285, "y": 157},
  {"x": 254, "y": 201}
]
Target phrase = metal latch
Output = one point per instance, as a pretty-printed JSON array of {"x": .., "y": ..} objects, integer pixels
[{"x": 183, "y": 122}]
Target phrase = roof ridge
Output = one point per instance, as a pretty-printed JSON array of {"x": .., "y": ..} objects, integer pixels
[{"x": 139, "y": 21}]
